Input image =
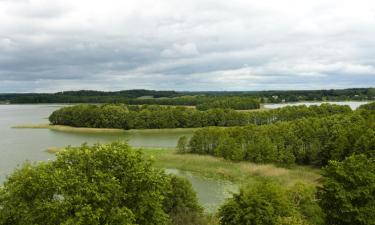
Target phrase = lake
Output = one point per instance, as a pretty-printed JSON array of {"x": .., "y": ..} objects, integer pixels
[
  {"x": 19, "y": 145},
  {"x": 353, "y": 104}
]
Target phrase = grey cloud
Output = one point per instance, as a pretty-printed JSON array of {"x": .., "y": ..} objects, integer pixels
[{"x": 196, "y": 45}]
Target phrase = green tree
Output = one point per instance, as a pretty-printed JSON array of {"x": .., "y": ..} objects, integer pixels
[
  {"x": 348, "y": 192},
  {"x": 181, "y": 203},
  {"x": 304, "y": 198},
  {"x": 101, "y": 184},
  {"x": 182, "y": 144},
  {"x": 264, "y": 203}
]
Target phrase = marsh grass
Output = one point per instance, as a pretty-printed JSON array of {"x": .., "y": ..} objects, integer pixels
[{"x": 237, "y": 172}]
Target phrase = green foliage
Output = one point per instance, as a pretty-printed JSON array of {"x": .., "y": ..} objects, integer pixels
[
  {"x": 181, "y": 203},
  {"x": 369, "y": 106},
  {"x": 182, "y": 144},
  {"x": 304, "y": 198},
  {"x": 348, "y": 192},
  {"x": 152, "y": 116},
  {"x": 264, "y": 203},
  {"x": 240, "y": 103},
  {"x": 187, "y": 98},
  {"x": 102, "y": 184},
  {"x": 308, "y": 141}
]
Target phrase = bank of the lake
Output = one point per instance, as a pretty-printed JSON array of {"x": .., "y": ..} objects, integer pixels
[{"x": 63, "y": 128}]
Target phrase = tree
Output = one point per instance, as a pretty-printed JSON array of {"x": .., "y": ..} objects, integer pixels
[
  {"x": 101, "y": 184},
  {"x": 348, "y": 192},
  {"x": 181, "y": 203},
  {"x": 182, "y": 144},
  {"x": 304, "y": 198},
  {"x": 264, "y": 203}
]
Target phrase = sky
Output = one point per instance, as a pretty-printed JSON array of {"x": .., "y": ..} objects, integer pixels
[{"x": 194, "y": 45}]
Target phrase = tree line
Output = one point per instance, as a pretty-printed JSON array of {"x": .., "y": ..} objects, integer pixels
[
  {"x": 187, "y": 98},
  {"x": 154, "y": 117},
  {"x": 306, "y": 141}
]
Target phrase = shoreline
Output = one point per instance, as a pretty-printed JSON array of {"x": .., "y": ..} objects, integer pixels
[{"x": 64, "y": 128}]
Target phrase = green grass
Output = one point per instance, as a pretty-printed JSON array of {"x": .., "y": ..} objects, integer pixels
[{"x": 238, "y": 172}]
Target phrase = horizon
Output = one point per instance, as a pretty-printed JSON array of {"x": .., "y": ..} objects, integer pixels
[{"x": 186, "y": 91}]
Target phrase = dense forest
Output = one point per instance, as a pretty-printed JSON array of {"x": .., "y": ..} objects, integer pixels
[
  {"x": 187, "y": 98},
  {"x": 152, "y": 116},
  {"x": 307, "y": 141}
]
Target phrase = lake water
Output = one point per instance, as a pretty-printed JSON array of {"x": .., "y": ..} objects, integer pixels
[
  {"x": 19, "y": 145},
  {"x": 211, "y": 193},
  {"x": 353, "y": 104}
]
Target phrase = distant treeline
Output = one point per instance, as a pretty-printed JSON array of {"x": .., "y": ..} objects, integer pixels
[
  {"x": 307, "y": 141},
  {"x": 187, "y": 98},
  {"x": 151, "y": 117}
]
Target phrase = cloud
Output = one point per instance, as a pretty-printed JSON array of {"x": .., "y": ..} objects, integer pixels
[
  {"x": 53, "y": 45},
  {"x": 180, "y": 50}
]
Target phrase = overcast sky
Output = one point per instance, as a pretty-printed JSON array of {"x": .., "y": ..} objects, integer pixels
[{"x": 54, "y": 45}]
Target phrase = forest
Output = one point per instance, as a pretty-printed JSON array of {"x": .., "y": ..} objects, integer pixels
[
  {"x": 187, "y": 98},
  {"x": 307, "y": 141},
  {"x": 156, "y": 117}
]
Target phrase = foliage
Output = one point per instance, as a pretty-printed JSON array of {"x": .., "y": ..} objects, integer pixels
[
  {"x": 102, "y": 184},
  {"x": 230, "y": 103},
  {"x": 182, "y": 144},
  {"x": 348, "y": 192},
  {"x": 369, "y": 106},
  {"x": 181, "y": 203},
  {"x": 308, "y": 141},
  {"x": 264, "y": 203},
  {"x": 304, "y": 198},
  {"x": 187, "y": 98},
  {"x": 154, "y": 117}
]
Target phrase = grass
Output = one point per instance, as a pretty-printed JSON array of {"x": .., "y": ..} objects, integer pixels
[{"x": 240, "y": 173}]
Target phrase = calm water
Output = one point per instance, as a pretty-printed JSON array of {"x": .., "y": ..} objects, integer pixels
[
  {"x": 352, "y": 104},
  {"x": 210, "y": 192},
  {"x": 19, "y": 145}
]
